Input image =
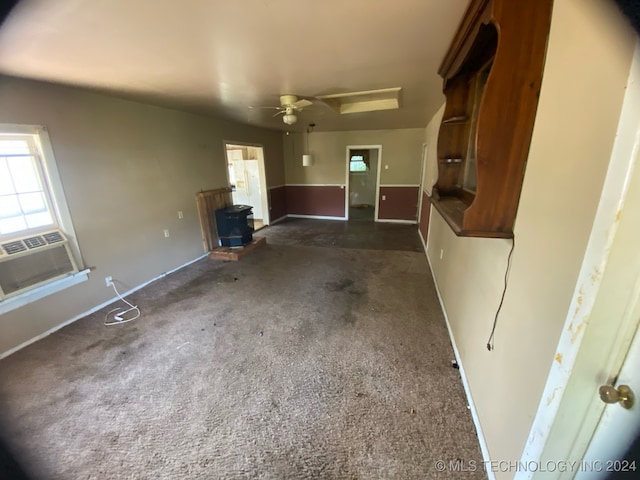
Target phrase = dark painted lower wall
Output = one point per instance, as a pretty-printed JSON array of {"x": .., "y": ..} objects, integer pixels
[
  {"x": 325, "y": 201},
  {"x": 425, "y": 211},
  {"x": 277, "y": 202},
  {"x": 400, "y": 203}
]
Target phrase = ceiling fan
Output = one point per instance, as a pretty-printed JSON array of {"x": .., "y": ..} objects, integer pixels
[{"x": 289, "y": 105}]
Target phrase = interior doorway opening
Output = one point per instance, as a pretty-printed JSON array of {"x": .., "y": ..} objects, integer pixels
[
  {"x": 247, "y": 179},
  {"x": 363, "y": 176}
]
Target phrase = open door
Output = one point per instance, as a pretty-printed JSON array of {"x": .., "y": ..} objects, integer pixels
[
  {"x": 615, "y": 446},
  {"x": 587, "y": 419},
  {"x": 362, "y": 182},
  {"x": 608, "y": 365},
  {"x": 245, "y": 166}
]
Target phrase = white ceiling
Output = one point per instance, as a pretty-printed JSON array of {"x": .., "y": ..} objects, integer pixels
[{"x": 221, "y": 56}]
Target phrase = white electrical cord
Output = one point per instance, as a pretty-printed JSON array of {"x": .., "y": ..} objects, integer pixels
[{"x": 119, "y": 318}]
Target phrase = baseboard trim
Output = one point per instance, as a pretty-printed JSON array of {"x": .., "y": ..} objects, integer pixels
[
  {"x": 474, "y": 413},
  {"x": 424, "y": 247},
  {"x": 279, "y": 219},
  {"x": 317, "y": 217},
  {"x": 395, "y": 220},
  {"x": 398, "y": 185},
  {"x": 94, "y": 309},
  {"x": 341, "y": 185}
]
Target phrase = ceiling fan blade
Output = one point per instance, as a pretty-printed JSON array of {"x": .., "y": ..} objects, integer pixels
[
  {"x": 279, "y": 113},
  {"x": 302, "y": 103},
  {"x": 265, "y": 106}
]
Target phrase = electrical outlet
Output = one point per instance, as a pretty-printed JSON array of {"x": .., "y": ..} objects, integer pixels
[
  {"x": 108, "y": 281},
  {"x": 166, "y": 233},
  {"x": 384, "y": 197},
  {"x": 441, "y": 253},
  {"x": 180, "y": 215}
]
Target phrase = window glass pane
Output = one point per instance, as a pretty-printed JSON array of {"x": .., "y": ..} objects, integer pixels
[
  {"x": 357, "y": 167},
  {"x": 38, "y": 219},
  {"x": 357, "y": 158},
  {"x": 24, "y": 201},
  {"x": 24, "y": 174},
  {"x": 14, "y": 147},
  {"x": 32, "y": 203},
  {"x": 12, "y": 224},
  {"x": 9, "y": 206},
  {"x": 6, "y": 185}
]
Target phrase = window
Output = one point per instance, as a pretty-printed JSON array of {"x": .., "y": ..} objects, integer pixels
[
  {"x": 24, "y": 198},
  {"x": 359, "y": 161},
  {"x": 39, "y": 254}
]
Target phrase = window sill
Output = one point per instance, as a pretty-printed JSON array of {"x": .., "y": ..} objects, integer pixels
[{"x": 37, "y": 293}]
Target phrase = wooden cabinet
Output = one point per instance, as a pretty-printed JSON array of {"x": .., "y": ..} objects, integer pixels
[{"x": 492, "y": 76}]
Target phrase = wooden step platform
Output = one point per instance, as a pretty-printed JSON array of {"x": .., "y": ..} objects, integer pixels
[{"x": 236, "y": 253}]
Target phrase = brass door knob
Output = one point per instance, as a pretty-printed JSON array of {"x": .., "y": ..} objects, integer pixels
[{"x": 622, "y": 395}]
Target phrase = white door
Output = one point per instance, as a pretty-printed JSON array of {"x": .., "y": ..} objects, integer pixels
[
  {"x": 599, "y": 344},
  {"x": 614, "y": 348},
  {"x": 614, "y": 351},
  {"x": 618, "y": 427}
]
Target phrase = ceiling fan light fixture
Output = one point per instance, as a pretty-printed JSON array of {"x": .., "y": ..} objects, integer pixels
[{"x": 289, "y": 118}]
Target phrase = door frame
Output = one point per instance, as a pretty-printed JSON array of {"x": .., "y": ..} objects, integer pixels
[
  {"x": 347, "y": 185},
  {"x": 623, "y": 160},
  {"x": 423, "y": 169},
  {"x": 264, "y": 193}
]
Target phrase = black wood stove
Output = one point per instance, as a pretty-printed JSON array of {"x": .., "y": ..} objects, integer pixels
[{"x": 235, "y": 225}]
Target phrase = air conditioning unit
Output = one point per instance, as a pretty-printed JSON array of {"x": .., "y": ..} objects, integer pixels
[{"x": 34, "y": 260}]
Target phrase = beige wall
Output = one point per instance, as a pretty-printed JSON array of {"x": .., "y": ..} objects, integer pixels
[
  {"x": 588, "y": 62},
  {"x": 127, "y": 169},
  {"x": 401, "y": 150}
]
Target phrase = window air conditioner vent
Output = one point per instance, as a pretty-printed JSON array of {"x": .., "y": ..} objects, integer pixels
[
  {"x": 34, "y": 242},
  {"x": 34, "y": 261},
  {"x": 14, "y": 247},
  {"x": 53, "y": 237}
]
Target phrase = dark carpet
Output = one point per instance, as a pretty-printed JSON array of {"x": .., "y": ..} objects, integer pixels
[
  {"x": 296, "y": 362},
  {"x": 363, "y": 235}
]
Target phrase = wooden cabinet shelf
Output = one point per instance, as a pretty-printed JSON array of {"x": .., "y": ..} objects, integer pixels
[
  {"x": 491, "y": 84},
  {"x": 459, "y": 120}
]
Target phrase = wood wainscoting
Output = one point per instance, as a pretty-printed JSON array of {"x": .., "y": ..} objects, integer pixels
[
  {"x": 398, "y": 203},
  {"x": 277, "y": 203},
  {"x": 316, "y": 200}
]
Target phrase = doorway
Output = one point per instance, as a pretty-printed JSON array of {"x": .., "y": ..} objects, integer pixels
[
  {"x": 363, "y": 176},
  {"x": 245, "y": 167}
]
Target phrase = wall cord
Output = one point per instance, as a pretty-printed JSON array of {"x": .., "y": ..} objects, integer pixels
[
  {"x": 119, "y": 318},
  {"x": 490, "y": 345}
]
